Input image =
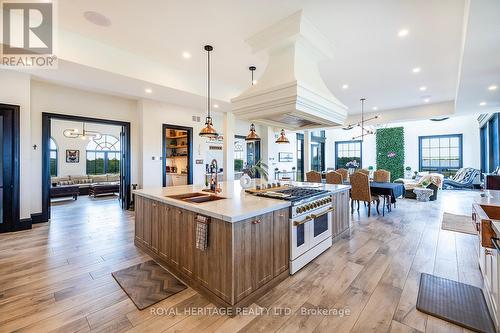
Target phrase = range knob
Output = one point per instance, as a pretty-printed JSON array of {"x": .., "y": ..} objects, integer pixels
[{"x": 300, "y": 209}]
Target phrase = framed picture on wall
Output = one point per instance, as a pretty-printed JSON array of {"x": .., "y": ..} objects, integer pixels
[
  {"x": 72, "y": 156},
  {"x": 285, "y": 157}
]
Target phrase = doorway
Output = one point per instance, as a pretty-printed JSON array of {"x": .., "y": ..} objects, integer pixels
[
  {"x": 300, "y": 157},
  {"x": 177, "y": 155},
  {"x": 9, "y": 168},
  {"x": 100, "y": 159}
]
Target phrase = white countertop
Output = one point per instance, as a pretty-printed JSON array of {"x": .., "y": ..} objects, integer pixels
[{"x": 238, "y": 204}]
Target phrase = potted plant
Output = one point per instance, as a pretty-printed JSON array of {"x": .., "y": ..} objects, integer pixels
[
  {"x": 352, "y": 166},
  {"x": 370, "y": 169}
]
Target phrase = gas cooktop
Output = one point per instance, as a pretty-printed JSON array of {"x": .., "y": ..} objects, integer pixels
[{"x": 293, "y": 193}]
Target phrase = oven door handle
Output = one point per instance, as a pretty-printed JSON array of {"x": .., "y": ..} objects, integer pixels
[
  {"x": 495, "y": 243},
  {"x": 312, "y": 217}
]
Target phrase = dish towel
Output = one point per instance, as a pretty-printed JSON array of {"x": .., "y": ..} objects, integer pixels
[{"x": 202, "y": 223}]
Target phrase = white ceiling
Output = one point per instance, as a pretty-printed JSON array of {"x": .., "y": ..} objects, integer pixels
[{"x": 368, "y": 54}]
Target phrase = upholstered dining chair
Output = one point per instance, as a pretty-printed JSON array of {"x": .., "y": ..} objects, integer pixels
[
  {"x": 364, "y": 171},
  {"x": 343, "y": 172},
  {"x": 382, "y": 176},
  {"x": 313, "y": 177},
  {"x": 333, "y": 177},
  {"x": 360, "y": 191}
]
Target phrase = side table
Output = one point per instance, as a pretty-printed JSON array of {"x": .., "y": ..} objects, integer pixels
[{"x": 422, "y": 193}]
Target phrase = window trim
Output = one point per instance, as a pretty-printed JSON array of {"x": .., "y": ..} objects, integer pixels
[
  {"x": 349, "y": 141},
  {"x": 460, "y": 149}
]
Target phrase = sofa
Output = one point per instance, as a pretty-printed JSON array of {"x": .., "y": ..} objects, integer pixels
[
  {"x": 86, "y": 181},
  {"x": 435, "y": 181}
]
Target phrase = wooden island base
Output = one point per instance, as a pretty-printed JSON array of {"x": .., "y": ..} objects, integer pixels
[{"x": 243, "y": 260}]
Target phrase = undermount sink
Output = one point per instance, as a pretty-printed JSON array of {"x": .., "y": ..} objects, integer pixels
[{"x": 196, "y": 197}]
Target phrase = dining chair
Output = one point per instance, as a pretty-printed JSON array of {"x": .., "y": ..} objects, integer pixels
[
  {"x": 382, "y": 176},
  {"x": 313, "y": 177},
  {"x": 333, "y": 177},
  {"x": 343, "y": 172},
  {"x": 360, "y": 191},
  {"x": 364, "y": 171}
]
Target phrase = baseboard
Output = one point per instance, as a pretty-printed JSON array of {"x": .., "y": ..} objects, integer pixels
[
  {"x": 24, "y": 224},
  {"x": 37, "y": 218}
]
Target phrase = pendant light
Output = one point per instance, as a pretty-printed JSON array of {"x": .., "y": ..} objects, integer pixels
[
  {"x": 252, "y": 136},
  {"x": 282, "y": 138},
  {"x": 208, "y": 131}
]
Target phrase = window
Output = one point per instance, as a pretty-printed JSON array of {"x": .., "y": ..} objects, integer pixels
[
  {"x": 53, "y": 158},
  {"x": 239, "y": 153},
  {"x": 440, "y": 153},
  {"x": 318, "y": 150},
  {"x": 347, "y": 151},
  {"x": 103, "y": 156},
  {"x": 300, "y": 157}
]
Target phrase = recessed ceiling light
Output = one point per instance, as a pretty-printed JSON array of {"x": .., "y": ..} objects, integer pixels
[
  {"x": 186, "y": 55},
  {"x": 493, "y": 87},
  {"x": 216, "y": 106},
  {"x": 482, "y": 104},
  {"x": 97, "y": 18},
  {"x": 416, "y": 70},
  {"x": 148, "y": 90},
  {"x": 345, "y": 86},
  {"x": 403, "y": 33},
  {"x": 427, "y": 100},
  {"x": 375, "y": 108},
  {"x": 254, "y": 81},
  {"x": 423, "y": 88}
]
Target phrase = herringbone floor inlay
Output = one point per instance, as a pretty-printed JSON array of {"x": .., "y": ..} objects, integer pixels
[{"x": 147, "y": 283}]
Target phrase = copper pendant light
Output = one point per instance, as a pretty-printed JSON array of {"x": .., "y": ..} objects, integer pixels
[
  {"x": 208, "y": 131},
  {"x": 252, "y": 136},
  {"x": 282, "y": 138}
]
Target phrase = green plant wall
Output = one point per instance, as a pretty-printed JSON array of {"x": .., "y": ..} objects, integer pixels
[{"x": 391, "y": 151}]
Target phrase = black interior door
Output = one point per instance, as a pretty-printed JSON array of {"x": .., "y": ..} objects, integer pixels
[
  {"x": 125, "y": 191},
  {"x": 9, "y": 167}
]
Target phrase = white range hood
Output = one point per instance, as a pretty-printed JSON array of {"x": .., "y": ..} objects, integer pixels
[{"x": 291, "y": 94}]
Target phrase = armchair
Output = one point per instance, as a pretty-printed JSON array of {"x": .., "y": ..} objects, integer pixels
[{"x": 464, "y": 178}]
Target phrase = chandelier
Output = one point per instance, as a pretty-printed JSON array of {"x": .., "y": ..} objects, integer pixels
[
  {"x": 74, "y": 133},
  {"x": 361, "y": 124}
]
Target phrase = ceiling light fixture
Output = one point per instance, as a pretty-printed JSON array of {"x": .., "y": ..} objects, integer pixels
[
  {"x": 74, "y": 133},
  {"x": 282, "y": 138},
  {"x": 364, "y": 130},
  {"x": 345, "y": 86},
  {"x": 416, "y": 70},
  {"x": 427, "y": 100},
  {"x": 483, "y": 104},
  {"x": 492, "y": 87},
  {"x": 216, "y": 106},
  {"x": 186, "y": 55},
  {"x": 423, "y": 88},
  {"x": 148, "y": 90},
  {"x": 375, "y": 108},
  {"x": 403, "y": 33},
  {"x": 252, "y": 135},
  {"x": 208, "y": 131}
]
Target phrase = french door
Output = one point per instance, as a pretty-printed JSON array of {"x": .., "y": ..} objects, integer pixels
[{"x": 9, "y": 167}]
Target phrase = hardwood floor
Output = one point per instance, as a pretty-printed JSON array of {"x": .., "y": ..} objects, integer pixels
[{"x": 57, "y": 277}]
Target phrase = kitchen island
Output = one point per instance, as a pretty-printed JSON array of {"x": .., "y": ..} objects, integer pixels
[{"x": 249, "y": 237}]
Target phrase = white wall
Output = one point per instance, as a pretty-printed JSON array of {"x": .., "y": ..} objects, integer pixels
[
  {"x": 15, "y": 90},
  {"x": 63, "y": 143},
  {"x": 46, "y": 97},
  {"x": 465, "y": 125}
]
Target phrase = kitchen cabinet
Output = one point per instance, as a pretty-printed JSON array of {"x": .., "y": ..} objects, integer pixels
[
  {"x": 242, "y": 259},
  {"x": 341, "y": 215}
]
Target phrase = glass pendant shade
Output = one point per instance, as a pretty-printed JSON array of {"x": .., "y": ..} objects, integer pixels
[
  {"x": 252, "y": 136},
  {"x": 282, "y": 138}
]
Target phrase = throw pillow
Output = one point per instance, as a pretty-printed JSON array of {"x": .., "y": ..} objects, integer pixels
[{"x": 66, "y": 182}]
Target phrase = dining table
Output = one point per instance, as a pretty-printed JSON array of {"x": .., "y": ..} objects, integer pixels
[{"x": 392, "y": 190}]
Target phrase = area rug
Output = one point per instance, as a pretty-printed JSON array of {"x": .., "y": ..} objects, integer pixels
[
  {"x": 458, "y": 223},
  {"x": 147, "y": 283},
  {"x": 455, "y": 302}
]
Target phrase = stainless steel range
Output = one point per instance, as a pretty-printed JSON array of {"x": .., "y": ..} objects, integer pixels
[{"x": 311, "y": 218}]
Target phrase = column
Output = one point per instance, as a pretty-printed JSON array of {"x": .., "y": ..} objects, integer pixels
[{"x": 229, "y": 132}]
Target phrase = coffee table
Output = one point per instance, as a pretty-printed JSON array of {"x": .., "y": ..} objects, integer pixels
[
  {"x": 422, "y": 193},
  {"x": 99, "y": 189},
  {"x": 65, "y": 191}
]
